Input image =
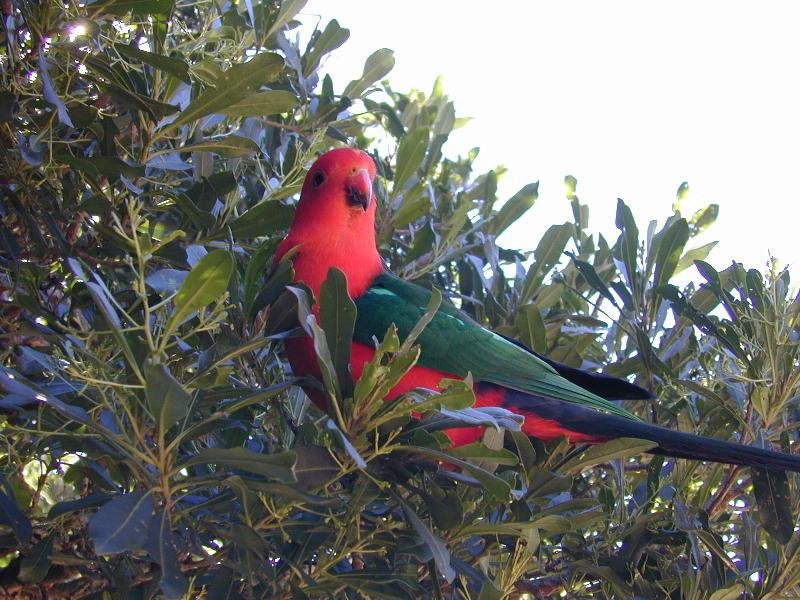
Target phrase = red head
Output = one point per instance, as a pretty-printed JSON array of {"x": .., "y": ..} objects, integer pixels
[{"x": 334, "y": 224}]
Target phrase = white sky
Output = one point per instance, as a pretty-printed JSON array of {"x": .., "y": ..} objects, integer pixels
[{"x": 630, "y": 97}]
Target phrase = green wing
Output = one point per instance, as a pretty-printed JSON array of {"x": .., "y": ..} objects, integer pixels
[{"x": 454, "y": 343}]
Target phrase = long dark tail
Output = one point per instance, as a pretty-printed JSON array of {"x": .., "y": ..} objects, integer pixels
[{"x": 589, "y": 422}]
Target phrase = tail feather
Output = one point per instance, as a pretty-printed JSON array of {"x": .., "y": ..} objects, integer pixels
[{"x": 588, "y": 422}]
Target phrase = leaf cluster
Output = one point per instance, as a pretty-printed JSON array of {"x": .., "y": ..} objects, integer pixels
[{"x": 155, "y": 442}]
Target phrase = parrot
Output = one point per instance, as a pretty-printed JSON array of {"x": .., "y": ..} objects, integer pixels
[{"x": 334, "y": 227}]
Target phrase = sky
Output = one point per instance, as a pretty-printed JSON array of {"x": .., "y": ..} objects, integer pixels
[{"x": 631, "y": 98}]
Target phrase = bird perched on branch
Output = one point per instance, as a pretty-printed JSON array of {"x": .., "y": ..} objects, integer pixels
[{"x": 334, "y": 227}]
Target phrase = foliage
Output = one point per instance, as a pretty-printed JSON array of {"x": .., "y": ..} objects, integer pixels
[{"x": 153, "y": 439}]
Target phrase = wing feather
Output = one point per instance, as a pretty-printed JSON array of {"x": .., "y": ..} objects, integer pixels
[{"x": 456, "y": 344}]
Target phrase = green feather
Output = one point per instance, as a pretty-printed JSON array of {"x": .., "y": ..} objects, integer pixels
[{"x": 454, "y": 343}]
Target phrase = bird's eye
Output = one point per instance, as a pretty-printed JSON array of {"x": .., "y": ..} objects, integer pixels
[{"x": 318, "y": 179}]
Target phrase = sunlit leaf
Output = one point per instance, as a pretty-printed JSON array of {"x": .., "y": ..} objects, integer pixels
[
  {"x": 206, "y": 282},
  {"x": 230, "y": 146},
  {"x": 232, "y": 86},
  {"x": 260, "y": 104},
  {"x": 376, "y": 66}
]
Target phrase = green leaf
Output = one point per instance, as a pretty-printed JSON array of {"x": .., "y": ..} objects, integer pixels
[
  {"x": 167, "y": 399},
  {"x": 279, "y": 276},
  {"x": 137, "y": 7},
  {"x": 410, "y": 155},
  {"x": 36, "y": 563},
  {"x": 547, "y": 254},
  {"x": 121, "y": 524},
  {"x": 774, "y": 500},
  {"x": 514, "y": 208},
  {"x": 260, "y": 104},
  {"x": 489, "y": 591},
  {"x": 346, "y": 444},
  {"x": 278, "y": 466},
  {"x": 337, "y": 313},
  {"x": 325, "y": 360},
  {"x": 415, "y": 204},
  {"x": 11, "y": 516},
  {"x": 628, "y": 243},
  {"x": 703, "y": 218},
  {"x": 109, "y": 166},
  {"x": 376, "y": 66},
  {"x": 264, "y": 218},
  {"x": 230, "y": 146},
  {"x": 592, "y": 278},
  {"x": 288, "y": 10},
  {"x": 161, "y": 548},
  {"x": 291, "y": 492},
  {"x": 102, "y": 299},
  {"x": 734, "y": 591},
  {"x": 699, "y": 253},
  {"x": 438, "y": 549},
  {"x": 206, "y": 282},
  {"x": 49, "y": 92},
  {"x": 235, "y": 84},
  {"x": 603, "y": 453},
  {"x": 479, "y": 451},
  {"x": 331, "y": 38},
  {"x": 499, "y": 488},
  {"x": 531, "y": 327},
  {"x": 671, "y": 243},
  {"x": 173, "y": 66},
  {"x": 135, "y": 101}
]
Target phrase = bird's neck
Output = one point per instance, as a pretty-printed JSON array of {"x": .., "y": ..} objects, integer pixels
[{"x": 351, "y": 250}]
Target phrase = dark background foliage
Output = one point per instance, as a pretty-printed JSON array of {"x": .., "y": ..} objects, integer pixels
[{"x": 153, "y": 442}]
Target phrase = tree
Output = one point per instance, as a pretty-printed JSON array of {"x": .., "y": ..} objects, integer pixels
[{"x": 154, "y": 442}]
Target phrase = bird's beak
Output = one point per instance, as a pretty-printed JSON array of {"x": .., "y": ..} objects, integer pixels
[{"x": 358, "y": 187}]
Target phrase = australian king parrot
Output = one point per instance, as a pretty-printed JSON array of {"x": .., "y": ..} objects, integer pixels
[{"x": 334, "y": 226}]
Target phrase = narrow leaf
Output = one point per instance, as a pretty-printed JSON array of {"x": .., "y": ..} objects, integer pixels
[
  {"x": 173, "y": 66},
  {"x": 348, "y": 447},
  {"x": 235, "y": 84},
  {"x": 499, "y": 488},
  {"x": 167, "y": 399},
  {"x": 230, "y": 146},
  {"x": 337, "y": 314},
  {"x": 438, "y": 549},
  {"x": 602, "y": 453},
  {"x": 410, "y": 155},
  {"x": 137, "y": 7},
  {"x": 289, "y": 8},
  {"x": 121, "y": 524},
  {"x": 514, "y": 208},
  {"x": 261, "y": 104},
  {"x": 531, "y": 327},
  {"x": 36, "y": 563},
  {"x": 670, "y": 247},
  {"x": 13, "y": 517},
  {"x": 546, "y": 256},
  {"x": 49, "y": 92},
  {"x": 264, "y": 218},
  {"x": 699, "y": 253},
  {"x": 206, "y": 282},
  {"x": 161, "y": 548},
  {"x": 774, "y": 502},
  {"x": 275, "y": 466},
  {"x": 331, "y": 38},
  {"x": 376, "y": 66}
]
